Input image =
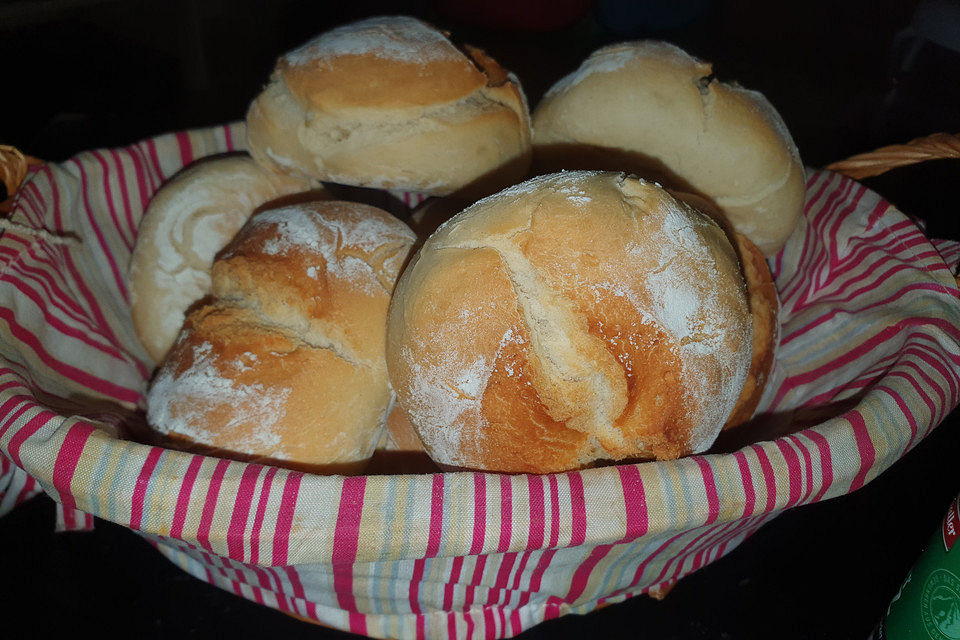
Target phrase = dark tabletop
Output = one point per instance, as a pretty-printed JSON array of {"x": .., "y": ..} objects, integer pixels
[{"x": 82, "y": 74}]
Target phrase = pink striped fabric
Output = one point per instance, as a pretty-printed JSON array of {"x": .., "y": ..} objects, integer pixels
[
  {"x": 16, "y": 486},
  {"x": 867, "y": 366}
]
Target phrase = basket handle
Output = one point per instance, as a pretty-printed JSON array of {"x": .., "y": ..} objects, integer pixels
[
  {"x": 13, "y": 170},
  {"x": 938, "y": 146}
]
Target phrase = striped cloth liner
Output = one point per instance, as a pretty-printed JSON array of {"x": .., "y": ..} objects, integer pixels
[{"x": 868, "y": 365}]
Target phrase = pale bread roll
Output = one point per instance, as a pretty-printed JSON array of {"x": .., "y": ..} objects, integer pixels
[
  {"x": 391, "y": 103},
  {"x": 650, "y": 108},
  {"x": 286, "y": 363},
  {"x": 575, "y": 317},
  {"x": 187, "y": 222}
]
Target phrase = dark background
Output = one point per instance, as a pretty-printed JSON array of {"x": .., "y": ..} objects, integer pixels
[{"x": 846, "y": 76}]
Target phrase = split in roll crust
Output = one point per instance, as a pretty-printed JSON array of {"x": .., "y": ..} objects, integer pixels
[
  {"x": 286, "y": 363},
  {"x": 187, "y": 222},
  {"x": 391, "y": 103},
  {"x": 651, "y": 108},
  {"x": 575, "y": 317}
]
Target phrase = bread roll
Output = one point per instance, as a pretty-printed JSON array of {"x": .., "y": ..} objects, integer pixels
[
  {"x": 650, "y": 108},
  {"x": 286, "y": 363},
  {"x": 765, "y": 311},
  {"x": 764, "y": 306},
  {"x": 575, "y": 317},
  {"x": 391, "y": 103},
  {"x": 188, "y": 220},
  {"x": 400, "y": 450},
  {"x": 400, "y": 434}
]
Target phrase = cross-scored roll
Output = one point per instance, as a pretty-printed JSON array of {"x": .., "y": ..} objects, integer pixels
[
  {"x": 576, "y": 317},
  {"x": 286, "y": 364},
  {"x": 391, "y": 103},
  {"x": 651, "y": 108}
]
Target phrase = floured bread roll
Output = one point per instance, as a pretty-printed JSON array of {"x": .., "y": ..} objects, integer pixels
[
  {"x": 652, "y": 109},
  {"x": 575, "y": 317},
  {"x": 764, "y": 306},
  {"x": 188, "y": 220},
  {"x": 286, "y": 363},
  {"x": 391, "y": 103}
]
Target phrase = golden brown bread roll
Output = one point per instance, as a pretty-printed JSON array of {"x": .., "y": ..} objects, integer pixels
[
  {"x": 400, "y": 449},
  {"x": 764, "y": 306},
  {"x": 650, "y": 108},
  {"x": 391, "y": 103},
  {"x": 286, "y": 364},
  {"x": 400, "y": 434},
  {"x": 188, "y": 220},
  {"x": 575, "y": 317}
]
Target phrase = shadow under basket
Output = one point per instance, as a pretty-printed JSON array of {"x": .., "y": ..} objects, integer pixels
[{"x": 867, "y": 366}]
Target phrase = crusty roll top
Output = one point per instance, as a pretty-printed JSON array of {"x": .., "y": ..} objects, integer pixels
[
  {"x": 187, "y": 222},
  {"x": 391, "y": 103},
  {"x": 574, "y": 317},
  {"x": 325, "y": 270},
  {"x": 393, "y": 62},
  {"x": 664, "y": 114},
  {"x": 286, "y": 362}
]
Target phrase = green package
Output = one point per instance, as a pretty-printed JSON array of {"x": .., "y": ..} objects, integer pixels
[{"x": 928, "y": 603}]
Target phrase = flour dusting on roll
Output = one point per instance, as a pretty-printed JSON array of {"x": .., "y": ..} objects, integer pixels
[
  {"x": 764, "y": 306},
  {"x": 575, "y": 317},
  {"x": 286, "y": 362},
  {"x": 188, "y": 220}
]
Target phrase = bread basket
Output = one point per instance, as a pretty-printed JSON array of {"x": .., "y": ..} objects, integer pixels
[{"x": 869, "y": 364}]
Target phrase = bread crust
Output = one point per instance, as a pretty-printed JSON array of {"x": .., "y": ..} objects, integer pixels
[
  {"x": 765, "y": 310},
  {"x": 257, "y": 392},
  {"x": 764, "y": 303},
  {"x": 189, "y": 219},
  {"x": 286, "y": 363},
  {"x": 575, "y": 317},
  {"x": 391, "y": 103},
  {"x": 650, "y": 108}
]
